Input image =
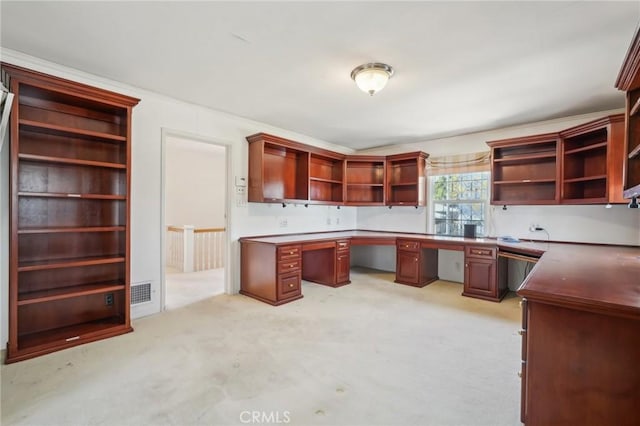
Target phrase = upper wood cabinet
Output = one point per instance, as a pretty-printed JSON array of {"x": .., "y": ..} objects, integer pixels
[
  {"x": 629, "y": 81},
  {"x": 580, "y": 165},
  {"x": 365, "y": 180},
  {"x": 278, "y": 170},
  {"x": 406, "y": 179},
  {"x": 70, "y": 176},
  {"x": 525, "y": 170},
  {"x": 326, "y": 183},
  {"x": 592, "y": 162},
  {"x": 284, "y": 171}
]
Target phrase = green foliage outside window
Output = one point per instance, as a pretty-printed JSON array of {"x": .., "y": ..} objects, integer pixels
[{"x": 459, "y": 199}]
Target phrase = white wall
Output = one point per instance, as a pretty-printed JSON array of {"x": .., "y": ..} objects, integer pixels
[
  {"x": 618, "y": 225},
  {"x": 154, "y": 113},
  {"x": 195, "y": 183}
]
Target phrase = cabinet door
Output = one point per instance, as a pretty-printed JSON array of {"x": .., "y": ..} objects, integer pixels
[
  {"x": 480, "y": 277},
  {"x": 343, "y": 264},
  {"x": 408, "y": 267}
]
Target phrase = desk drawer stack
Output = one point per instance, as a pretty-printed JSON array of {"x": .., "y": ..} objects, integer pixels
[{"x": 271, "y": 263}]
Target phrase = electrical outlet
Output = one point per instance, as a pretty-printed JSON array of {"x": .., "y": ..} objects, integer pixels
[
  {"x": 108, "y": 299},
  {"x": 337, "y": 221},
  {"x": 328, "y": 221},
  {"x": 533, "y": 227},
  {"x": 283, "y": 223}
]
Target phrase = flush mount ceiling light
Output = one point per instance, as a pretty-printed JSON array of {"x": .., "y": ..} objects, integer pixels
[{"x": 371, "y": 78}]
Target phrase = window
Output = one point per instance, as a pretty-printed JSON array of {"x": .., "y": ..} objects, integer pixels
[{"x": 459, "y": 199}]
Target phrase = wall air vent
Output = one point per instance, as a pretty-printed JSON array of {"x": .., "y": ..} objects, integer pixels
[{"x": 140, "y": 293}]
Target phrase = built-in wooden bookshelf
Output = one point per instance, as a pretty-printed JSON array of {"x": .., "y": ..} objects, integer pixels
[
  {"x": 629, "y": 81},
  {"x": 579, "y": 165},
  {"x": 592, "y": 162},
  {"x": 406, "y": 182},
  {"x": 525, "y": 170},
  {"x": 285, "y": 171},
  {"x": 365, "y": 180},
  {"x": 326, "y": 183},
  {"x": 70, "y": 177}
]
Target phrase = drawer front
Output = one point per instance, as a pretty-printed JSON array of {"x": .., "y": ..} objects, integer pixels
[
  {"x": 481, "y": 252},
  {"x": 288, "y": 266},
  {"x": 408, "y": 245},
  {"x": 343, "y": 245},
  {"x": 288, "y": 252},
  {"x": 288, "y": 285}
]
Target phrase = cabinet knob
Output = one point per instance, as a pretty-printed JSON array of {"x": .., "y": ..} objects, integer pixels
[
  {"x": 290, "y": 266},
  {"x": 291, "y": 285},
  {"x": 521, "y": 332},
  {"x": 291, "y": 252},
  {"x": 466, "y": 265}
]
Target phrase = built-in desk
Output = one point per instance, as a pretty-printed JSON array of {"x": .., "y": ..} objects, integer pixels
[{"x": 273, "y": 266}]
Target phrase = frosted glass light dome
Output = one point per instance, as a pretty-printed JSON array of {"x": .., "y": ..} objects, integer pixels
[{"x": 373, "y": 77}]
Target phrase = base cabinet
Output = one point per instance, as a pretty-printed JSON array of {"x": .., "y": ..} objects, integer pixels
[
  {"x": 271, "y": 273},
  {"x": 413, "y": 266},
  {"x": 579, "y": 367},
  {"x": 480, "y": 274},
  {"x": 343, "y": 262}
]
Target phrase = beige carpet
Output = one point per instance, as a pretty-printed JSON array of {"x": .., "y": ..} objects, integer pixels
[
  {"x": 185, "y": 288},
  {"x": 372, "y": 352}
]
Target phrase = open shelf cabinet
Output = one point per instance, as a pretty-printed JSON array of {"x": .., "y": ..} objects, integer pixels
[
  {"x": 406, "y": 182},
  {"x": 285, "y": 171},
  {"x": 592, "y": 162},
  {"x": 69, "y": 203},
  {"x": 326, "y": 183},
  {"x": 365, "y": 180},
  {"x": 278, "y": 170},
  {"x": 525, "y": 170},
  {"x": 629, "y": 81}
]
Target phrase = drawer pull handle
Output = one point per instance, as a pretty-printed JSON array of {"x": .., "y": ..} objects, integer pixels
[
  {"x": 71, "y": 339},
  {"x": 521, "y": 332}
]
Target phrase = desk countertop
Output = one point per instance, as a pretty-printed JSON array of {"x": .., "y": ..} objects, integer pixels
[{"x": 589, "y": 277}]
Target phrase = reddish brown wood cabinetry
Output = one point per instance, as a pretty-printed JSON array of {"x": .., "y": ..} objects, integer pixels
[
  {"x": 480, "y": 275},
  {"x": 343, "y": 261},
  {"x": 413, "y": 266},
  {"x": 70, "y": 178},
  {"x": 279, "y": 171},
  {"x": 284, "y": 171},
  {"x": 406, "y": 179},
  {"x": 578, "y": 367},
  {"x": 274, "y": 273},
  {"x": 592, "y": 162},
  {"x": 524, "y": 170},
  {"x": 365, "y": 177},
  {"x": 580, "y": 165},
  {"x": 629, "y": 81}
]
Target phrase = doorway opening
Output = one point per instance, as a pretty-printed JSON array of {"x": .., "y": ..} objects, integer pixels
[{"x": 195, "y": 220}]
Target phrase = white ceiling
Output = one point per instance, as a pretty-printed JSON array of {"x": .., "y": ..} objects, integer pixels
[{"x": 460, "y": 67}]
